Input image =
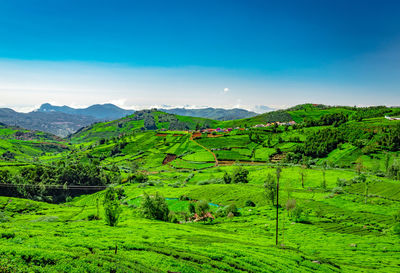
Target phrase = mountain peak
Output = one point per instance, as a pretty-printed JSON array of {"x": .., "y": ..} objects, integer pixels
[{"x": 106, "y": 111}]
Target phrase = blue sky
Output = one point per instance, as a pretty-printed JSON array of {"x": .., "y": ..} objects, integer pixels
[{"x": 148, "y": 53}]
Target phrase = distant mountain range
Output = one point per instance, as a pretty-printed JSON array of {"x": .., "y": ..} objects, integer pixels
[
  {"x": 212, "y": 113},
  {"x": 98, "y": 111},
  {"x": 103, "y": 112},
  {"x": 57, "y": 123},
  {"x": 261, "y": 109},
  {"x": 64, "y": 120}
]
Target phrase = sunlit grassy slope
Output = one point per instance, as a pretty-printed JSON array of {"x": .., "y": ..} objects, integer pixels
[
  {"x": 340, "y": 229},
  {"x": 342, "y": 234}
]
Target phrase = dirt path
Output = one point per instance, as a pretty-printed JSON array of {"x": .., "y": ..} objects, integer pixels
[{"x": 208, "y": 150}]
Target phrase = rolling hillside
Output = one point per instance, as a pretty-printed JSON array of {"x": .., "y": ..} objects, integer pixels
[
  {"x": 339, "y": 194},
  {"x": 142, "y": 120},
  {"x": 21, "y": 144}
]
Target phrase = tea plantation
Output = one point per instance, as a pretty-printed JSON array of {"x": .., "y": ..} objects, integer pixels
[{"x": 155, "y": 192}]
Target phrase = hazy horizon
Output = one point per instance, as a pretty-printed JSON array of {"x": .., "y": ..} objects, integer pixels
[
  {"x": 255, "y": 108},
  {"x": 217, "y": 54}
]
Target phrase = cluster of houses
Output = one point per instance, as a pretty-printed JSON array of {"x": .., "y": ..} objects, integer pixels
[
  {"x": 209, "y": 130},
  {"x": 390, "y": 118},
  {"x": 219, "y": 130},
  {"x": 228, "y": 130},
  {"x": 273, "y": 123}
]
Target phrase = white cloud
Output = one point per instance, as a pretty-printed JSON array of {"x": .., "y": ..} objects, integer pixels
[
  {"x": 226, "y": 90},
  {"x": 238, "y": 103},
  {"x": 119, "y": 102}
]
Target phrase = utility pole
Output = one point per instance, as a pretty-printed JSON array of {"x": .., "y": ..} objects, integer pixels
[{"x": 278, "y": 175}]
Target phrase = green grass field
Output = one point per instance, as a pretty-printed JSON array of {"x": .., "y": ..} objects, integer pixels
[
  {"x": 340, "y": 223},
  {"x": 342, "y": 234}
]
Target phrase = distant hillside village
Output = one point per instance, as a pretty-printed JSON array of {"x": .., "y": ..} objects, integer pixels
[
  {"x": 292, "y": 122},
  {"x": 227, "y": 130},
  {"x": 219, "y": 130}
]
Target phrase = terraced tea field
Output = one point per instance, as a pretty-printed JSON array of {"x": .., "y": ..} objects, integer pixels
[{"x": 215, "y": 195}]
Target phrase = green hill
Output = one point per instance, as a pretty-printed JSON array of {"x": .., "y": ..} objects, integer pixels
[
  {"x": 334, "y": 135},
  {"x": 339, "y": 194},
  {"x": 20, "y": 144},
  {"x": 141, "y": 120}
]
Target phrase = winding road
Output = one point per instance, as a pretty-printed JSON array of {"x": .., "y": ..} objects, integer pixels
[{"x": 208, "y": 150}]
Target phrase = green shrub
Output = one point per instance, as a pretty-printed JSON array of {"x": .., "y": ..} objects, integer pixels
[
  {"x": 5, "y": 266},
  {"x": 240, "y": 175},
  {"x": 337, "y": 190},
  {"x": 204, "y": 182},
  {"x": 48, "y": 219},
  {"x": 187, "y": 179},
  {"x": 319, "y": 212},
  {"x": 227, "y": 178},
  {"x": 176, "y": 185},
  {"x": 359, "y": 179},
  {"x": 192, "y": 208},
  {"x": 120, "y": 193},
  {"x": 7, "y": 235},
  {"x": 341, "y": 182},
  {"x": 396, "y": 217},
  {"x": 290, "y": 206},
  {"x": 112, "y": 207},
  {"x": 139, "y": 178},
  {"x": 210, "y": 181},
  {"x": 92, "y": 217},
  {"x": 394, "y": 170},
  {"x": 202, "y": 207},
  {"x": 3, "y": 217},
  {"x": 184, "y": 198},
  {"x": 155, "y": 207},
  {"x": 296, "y": 214},
  {"x": 172, "y": 217},
  {"x": 249, "y": 203},
  {"x": 396, "y": 229},
  {"x": 220, "y": 212},
  {"x": 231, "y": 209}
]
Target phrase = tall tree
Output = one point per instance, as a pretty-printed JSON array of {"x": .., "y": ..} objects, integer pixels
[
  {"x": 324, "y": 167},
  {"x": 112, "y": 207},
  {"x": 359, "y": 165},
  {"x": 387, "y": 161},
  {"x": 303, "y": 175},
  {"x": 270, "y": 188},
  {"x": 366, "y": 191}
]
